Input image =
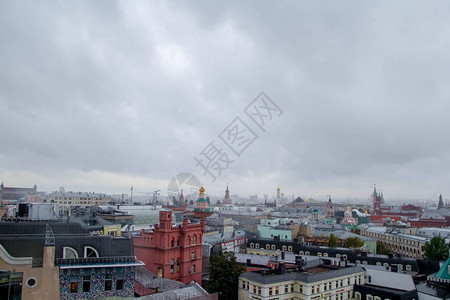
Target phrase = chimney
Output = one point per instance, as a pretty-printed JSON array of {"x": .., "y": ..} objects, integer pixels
[{"x": 281, "y": 268}]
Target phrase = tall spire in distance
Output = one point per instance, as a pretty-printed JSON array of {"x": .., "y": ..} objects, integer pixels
[{"x": 440, "y": 203}]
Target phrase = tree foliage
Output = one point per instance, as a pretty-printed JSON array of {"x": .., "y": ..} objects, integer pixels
[
  {"x": 436, "y": 249},
  {"x": 332, "y": 242},
  {"x": 381, "y": 248},
  {"x": 224, "y": 274},
  {"x": 353, "y": 242}
]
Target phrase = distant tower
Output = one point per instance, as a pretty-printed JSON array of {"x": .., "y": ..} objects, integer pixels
[
  {"x": 181, "y": 199},
  {"x": 227, "y": 199},
  {"x": 201, "y": 204},
  {"x": 441, "y": 203},
  {"x": 377, "y": 200},
  {"x": 330, "y": 209},
  {"x": 278, "y": 194}
]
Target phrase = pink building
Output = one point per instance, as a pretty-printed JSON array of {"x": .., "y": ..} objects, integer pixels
[{"x": 172, "y": 252}]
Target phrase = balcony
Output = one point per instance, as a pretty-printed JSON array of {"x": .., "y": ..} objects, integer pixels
[{"x": 90, "y": 262}]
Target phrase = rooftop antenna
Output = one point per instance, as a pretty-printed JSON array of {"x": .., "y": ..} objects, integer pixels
[
  {"x": 131, "y": 195},
  {"x": 49, "y": 236}
]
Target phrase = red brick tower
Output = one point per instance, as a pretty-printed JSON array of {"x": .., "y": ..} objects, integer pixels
[{"x": 172, "y": 252}]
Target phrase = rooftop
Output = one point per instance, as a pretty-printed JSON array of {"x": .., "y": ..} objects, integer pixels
[{"x": 322, "y": 273}]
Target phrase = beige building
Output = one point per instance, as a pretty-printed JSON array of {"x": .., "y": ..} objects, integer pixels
[
  {"x": 320, "y": 282},
  {"x": 395, "y": 241},
  {"x": 68, "y": 199},
  {"x": 27, "y": 277}
]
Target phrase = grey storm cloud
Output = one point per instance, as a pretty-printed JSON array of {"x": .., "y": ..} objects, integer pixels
[{"x": 115, "y": 90}]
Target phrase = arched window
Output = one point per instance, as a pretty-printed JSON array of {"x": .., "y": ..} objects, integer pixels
[
  {"x": 273, "y": 247},
  {"x": 178, "y": 242},
  {"x": 189, "y": 239},
  {"x": 90, "y": 252},
  {"x": 257, "y": 245},
  {"x": 289, "y": 248},
  {"x": 306, "y": 252},
  {"x": 268, "y": 246},
  {"x": 283, "y": 248},
  {"x": 195, "y": 240},
  {"x": 69, "y": 252},
  {"x": 172, "y": 243},
  {"x": 252, "y": 245}
]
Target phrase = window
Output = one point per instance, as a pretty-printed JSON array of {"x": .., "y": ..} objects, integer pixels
[
  {"x": 86, "y": 283},
  {"x": 172, "y": 243},
  {"x": 259, "y": 290},
  {"x": 286, "y": 288},
  {"x": 357, "y": 295},
  {"x": 69, "y": 252},
  {"x": 408, "y": 267},
  {"x": 319, "y": 254},
  {"x": 301, "y": 253},
  {"x": 108, "y": 282},
  {"x": 178, "y": 265},
  {"x": 292, "y": 288},
  {"x": 193, "y": 255},
  {"x": 119, "y": 283},
  {"x": 178, "y": 243},
  {"x": 369, "y": 297},
  {"x": 273, "y": 247},
  {"x": 252, "y": 245},
  {"x": 257, "y": 245},
  {"x": 254, "y": 289},
  {"x": 277, "y": 290},
  {"x": 171, "y": 266},
  {"x": 195, "y": 239},
  {"x": 307, "y": 253},
  {"x": 73, "y": 286},
  {"x": 283, "y": 248},
  {"x": 90, "y": 252},
  {"x": 193, "y": 269},
  {"x": 267, "y": 246},
  {"x": 289, "y": 248},
  {"x": 270, "y": 291}
]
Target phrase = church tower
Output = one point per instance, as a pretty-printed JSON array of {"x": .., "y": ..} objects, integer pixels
[
  {"x": 330, "y": 209},
  {"x": 441, "y": 203},
  {"x": 201, "y": 204},
  {"x": 227, "y": 199}
]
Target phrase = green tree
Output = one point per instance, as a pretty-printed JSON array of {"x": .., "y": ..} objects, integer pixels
[
  {"x": 224, "y": 273},
  {"x": 353, "y": 242},
  {"x": 436, "y": 249},
  {"x": 332, "y": 242},
  {"x": 381, "y": 248}
]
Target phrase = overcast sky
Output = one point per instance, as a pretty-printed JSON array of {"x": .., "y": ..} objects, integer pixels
[{"x": 101, "y": 95}]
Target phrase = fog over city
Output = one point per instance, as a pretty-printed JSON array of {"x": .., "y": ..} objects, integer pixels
[{"x": 101, "y": 96}]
